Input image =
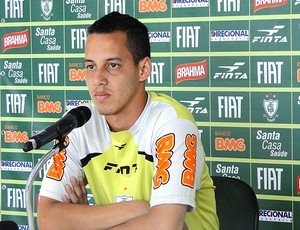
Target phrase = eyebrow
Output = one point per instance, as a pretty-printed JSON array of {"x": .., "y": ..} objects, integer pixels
[
  {"x": 88, "y": 60},
  {"x": 108, "y": 59}
]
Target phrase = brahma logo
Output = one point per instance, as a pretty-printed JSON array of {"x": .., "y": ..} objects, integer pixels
[
  {"x": 298, "y": 71},
  {"x": 298, "y": 184},
  {"x": 15, "y": 40},
  {"x": 261, "y": 4},
  {"x": 190, "y": 71}
]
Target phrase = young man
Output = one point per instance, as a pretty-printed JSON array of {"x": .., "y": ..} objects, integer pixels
[{"x": 139, "y": 147}]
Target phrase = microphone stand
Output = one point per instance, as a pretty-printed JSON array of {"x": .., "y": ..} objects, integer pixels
[{"x": 60, "y": 145}]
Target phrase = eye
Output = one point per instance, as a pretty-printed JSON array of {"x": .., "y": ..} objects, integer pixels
[
  {"x": 90, "y": 67},
  {"x": 113, "y": 65}
]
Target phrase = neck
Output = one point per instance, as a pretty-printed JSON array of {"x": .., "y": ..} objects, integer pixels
[{"x": 125, "y": 119}]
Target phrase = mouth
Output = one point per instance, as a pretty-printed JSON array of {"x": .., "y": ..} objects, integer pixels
[{"x": 101, "y": 96}]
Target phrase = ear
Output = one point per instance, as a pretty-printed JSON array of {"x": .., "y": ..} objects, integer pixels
[{"x": 145, "y": 68}]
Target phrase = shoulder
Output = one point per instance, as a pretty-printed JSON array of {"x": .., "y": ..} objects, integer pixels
[{"x": 169, "y": 106}]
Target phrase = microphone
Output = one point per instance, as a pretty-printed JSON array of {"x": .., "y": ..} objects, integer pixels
[
  {"x": 75, "y": 118},
  {"x": 8, "y": 225}
]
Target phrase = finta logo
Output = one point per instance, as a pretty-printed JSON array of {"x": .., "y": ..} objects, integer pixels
[
  {"x": 194, "y": 106},
  {"x": 190, "y": 71},
  {"x": 15, "y": 40},
  {"x": 231, "y": 72},
  {"x": 261, "y": 4},
  {"x": 271, "y": 35}
]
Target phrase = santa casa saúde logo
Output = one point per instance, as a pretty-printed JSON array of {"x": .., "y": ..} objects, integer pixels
[{"x": 15, "y": 40}]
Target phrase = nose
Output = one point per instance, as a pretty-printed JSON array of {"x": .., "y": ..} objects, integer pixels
[{"x": 100, "y": 78}]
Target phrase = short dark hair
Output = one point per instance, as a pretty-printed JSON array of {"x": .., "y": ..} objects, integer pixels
[{"x": 136, "y": 32}]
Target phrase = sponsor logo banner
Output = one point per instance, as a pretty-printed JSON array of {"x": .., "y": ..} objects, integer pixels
[{"x": 15, "y": 40}]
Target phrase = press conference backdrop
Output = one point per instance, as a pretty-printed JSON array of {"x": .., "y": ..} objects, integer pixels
[{"x": 234, "y": 63}]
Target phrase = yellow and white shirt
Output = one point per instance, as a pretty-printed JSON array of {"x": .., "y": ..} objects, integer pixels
[{"x": 160, "y": 159}]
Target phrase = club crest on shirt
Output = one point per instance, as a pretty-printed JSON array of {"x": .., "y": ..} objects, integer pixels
[{"x": 123, "y": 198}]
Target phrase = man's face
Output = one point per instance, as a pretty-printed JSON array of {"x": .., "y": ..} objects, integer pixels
[{"x": 113, "y": 80}]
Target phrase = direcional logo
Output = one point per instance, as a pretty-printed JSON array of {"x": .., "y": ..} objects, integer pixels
[
  {"x": 270, "y": 104},
  {"x": 276, "y": 216},
  {"x": 231, "y": 72},
  {"x": 261, "y": 4},
  {"x": 271, "y": 35},
  {"x": 159, "y": 36},
  {"x": 15, "y": 40},
  {"x": 229, "y": 35},
  {"x": 189, "y": 3},
  {"x": 190, "y": 71},
  {"x": 46, "y": 7}
]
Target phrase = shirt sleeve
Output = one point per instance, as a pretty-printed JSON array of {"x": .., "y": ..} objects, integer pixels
[
  {"x": 63, "y": 165},
  {"x": 178, "y": 162}
]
